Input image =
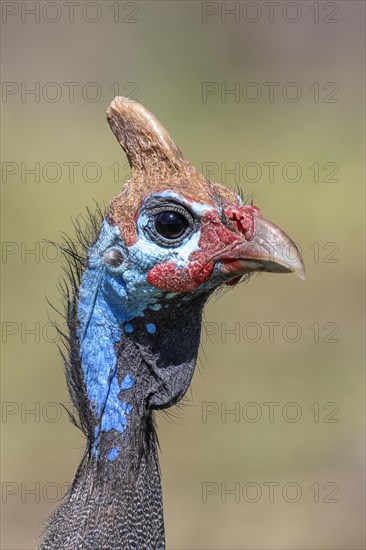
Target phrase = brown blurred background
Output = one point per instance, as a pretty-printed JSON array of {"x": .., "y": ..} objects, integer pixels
[{"x": 181, "y": 59}]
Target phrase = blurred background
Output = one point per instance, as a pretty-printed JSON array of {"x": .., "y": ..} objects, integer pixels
[{"x": 265, "y": 95}]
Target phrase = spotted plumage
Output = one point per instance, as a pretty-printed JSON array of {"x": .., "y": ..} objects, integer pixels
[{"x": 136, "y": 288}]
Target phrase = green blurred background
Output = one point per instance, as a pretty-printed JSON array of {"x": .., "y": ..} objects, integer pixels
[{"x": 163, "y": 58}]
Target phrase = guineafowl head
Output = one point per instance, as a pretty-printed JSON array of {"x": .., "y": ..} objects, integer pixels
[{"x": 170, "y": 238}]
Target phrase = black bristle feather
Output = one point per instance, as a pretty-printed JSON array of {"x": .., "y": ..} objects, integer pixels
[{"x": 75, "y": 254}]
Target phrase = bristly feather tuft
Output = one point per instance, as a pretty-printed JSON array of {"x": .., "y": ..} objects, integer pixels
[{"x": 75, "y": 255}]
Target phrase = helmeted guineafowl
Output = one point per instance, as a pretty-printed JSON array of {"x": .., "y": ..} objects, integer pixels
[{"x": 170, "y": 238}]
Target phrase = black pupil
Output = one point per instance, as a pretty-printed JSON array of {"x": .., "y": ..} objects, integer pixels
[{"x": 171, "y": 224}]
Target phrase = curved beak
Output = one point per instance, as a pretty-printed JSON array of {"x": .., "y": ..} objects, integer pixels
[{"x": 270, "y": 249}]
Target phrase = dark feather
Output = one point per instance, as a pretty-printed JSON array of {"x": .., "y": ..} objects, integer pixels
[{"x": 75, "y": 255}]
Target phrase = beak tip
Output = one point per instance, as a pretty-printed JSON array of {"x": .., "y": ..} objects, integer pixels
[{"x": 300, "y": 272}]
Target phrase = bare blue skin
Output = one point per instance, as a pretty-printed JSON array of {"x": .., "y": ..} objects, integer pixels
[
  {"x": 104, "y": 306},
  {"x": 110, "y": 298}
]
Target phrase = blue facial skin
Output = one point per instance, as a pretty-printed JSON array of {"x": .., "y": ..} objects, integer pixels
[
  {"x": 111, "y": 296},
  {"x": 104, "y": 306}
]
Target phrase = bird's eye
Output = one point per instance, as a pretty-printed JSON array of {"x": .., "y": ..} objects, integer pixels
[
  {"x": 167, "y": 223},
  {"x": 170, "y": 224}
]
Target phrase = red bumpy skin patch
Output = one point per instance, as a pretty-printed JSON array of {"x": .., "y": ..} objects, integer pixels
[{"x": 215, "y": 239}]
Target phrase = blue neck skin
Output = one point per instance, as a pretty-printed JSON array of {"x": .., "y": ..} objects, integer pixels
[{"x": 105, "y": 305}]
